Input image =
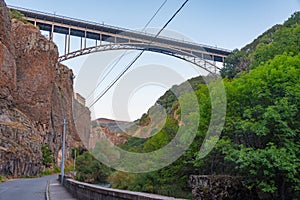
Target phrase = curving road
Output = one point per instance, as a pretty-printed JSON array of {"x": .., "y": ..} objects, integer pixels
[{"x": 25, "y": 189}]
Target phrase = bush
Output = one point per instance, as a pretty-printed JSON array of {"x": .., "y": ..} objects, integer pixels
[
  {"x": 46, "y": 172},
  {"x": 90, "y": 170},
  {"x": 47, "y": 156},
  {"x": 120, "y": 180},
  {"x": 50, "y": 171},
  {"x": 14, "y": 14}
]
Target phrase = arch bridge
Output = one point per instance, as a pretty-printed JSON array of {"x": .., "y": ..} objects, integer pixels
[{"x": 110, "y": 38}]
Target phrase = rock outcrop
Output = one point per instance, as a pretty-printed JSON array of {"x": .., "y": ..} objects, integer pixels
[
  {"x": 110, "y": 130},
  {"x": 36, "y": 93},
  {"x": 36, "y": 60},
  {"x": 8, "y": 64},
  {"x": 82, "y": 117},
  {"x": 104, "y": 133}
]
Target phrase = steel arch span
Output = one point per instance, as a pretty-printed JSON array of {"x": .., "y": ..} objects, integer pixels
[{"x": 189, "y": 57}]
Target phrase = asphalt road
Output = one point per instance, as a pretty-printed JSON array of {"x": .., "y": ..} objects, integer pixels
[{"x": 25, "y": 189}]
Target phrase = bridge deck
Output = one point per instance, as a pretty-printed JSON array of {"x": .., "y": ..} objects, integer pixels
[{"x": 101, "y": 32}]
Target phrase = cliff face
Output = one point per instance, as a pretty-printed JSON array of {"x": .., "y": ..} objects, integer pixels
[
  {"x": 104, "y": 133},
  {"x": 82, "y": 118},
  {"x": 107, "y": 129},
  {"x": 36, "y": 70},
  {"x": 36, "y": 93},
  {"x": 8, "y": 64}
]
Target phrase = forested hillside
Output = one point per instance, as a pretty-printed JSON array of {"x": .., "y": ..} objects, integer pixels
[
  {"x": 260, "y": 140},
  {"x": 276, "y": 41}
]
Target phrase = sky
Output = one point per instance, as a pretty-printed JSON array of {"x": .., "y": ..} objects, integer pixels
[{"x": 227, "y": 24}]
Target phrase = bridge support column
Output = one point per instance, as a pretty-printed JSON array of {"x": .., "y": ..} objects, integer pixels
[
  {"x": 66, "y": 40},
  {"x": 69, "y": 40},
  {"x": 85, "y": 39},
  {"x": 51, "y": 33},
  {"x": 100, "y": 38}
]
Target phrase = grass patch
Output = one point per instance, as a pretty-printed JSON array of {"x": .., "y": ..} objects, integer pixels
[
  {"x": 69, "y": 168},
  {"x": 50, "y": 171}
]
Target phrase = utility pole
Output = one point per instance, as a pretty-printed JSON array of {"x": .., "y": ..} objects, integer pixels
[
  {"x": 74, "y": 159},
  {"x": 63, "y": 152}
]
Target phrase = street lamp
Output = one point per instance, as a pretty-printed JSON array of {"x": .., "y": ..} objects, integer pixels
[{"x": 63, "y": 152}]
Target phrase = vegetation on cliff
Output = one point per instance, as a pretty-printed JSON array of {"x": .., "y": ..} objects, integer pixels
[{"x": 14, "y": 14}]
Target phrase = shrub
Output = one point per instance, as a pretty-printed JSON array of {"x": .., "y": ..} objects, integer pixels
[
  {"x": 14, "y": 14},
  {"x": 47, "y": 156}
]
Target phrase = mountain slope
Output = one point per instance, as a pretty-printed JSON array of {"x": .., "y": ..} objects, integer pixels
[
  {"x": 275, "y": 41},
  {"x": 260, "y": 139}
]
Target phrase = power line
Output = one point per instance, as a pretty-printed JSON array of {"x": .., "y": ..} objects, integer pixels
[
  {"x": 135, "y": 59},
  {"x": 78, "y": 116},
  {"x": 105, "y": 76},
  {"x": 138, "y": 56},
  {"x": 120, "y": 58},
  {"x": 118, "y": 77},
  {"x": 171, "y": 19},
  {"x": 154, "y": 15}
]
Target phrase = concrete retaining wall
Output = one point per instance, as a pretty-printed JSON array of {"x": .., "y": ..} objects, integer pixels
[{"x": 85, "y": 191}]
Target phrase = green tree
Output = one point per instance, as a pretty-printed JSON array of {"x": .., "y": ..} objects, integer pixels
[
  {"x": 236, "y": 62},
  {"x": 90, "y": 170},
  {"x": 263, "y": 110}
]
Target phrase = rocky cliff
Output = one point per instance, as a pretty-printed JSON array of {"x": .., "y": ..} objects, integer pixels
[
  {"x": 36, "y": 93},
  {"x": 82, "y": 118},
  {"x": 104, "y": 133},
  {"x": 110, "y": 130}
]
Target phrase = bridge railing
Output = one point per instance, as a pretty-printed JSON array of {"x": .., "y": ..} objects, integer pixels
[
  {"x": 117, "y": 28},
  {"x": 65, "y": 17}
]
